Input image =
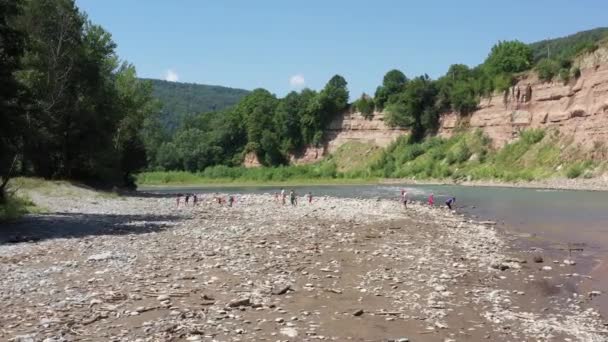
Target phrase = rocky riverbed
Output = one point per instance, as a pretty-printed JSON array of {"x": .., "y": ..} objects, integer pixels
[{"x": 136, "y": 268}]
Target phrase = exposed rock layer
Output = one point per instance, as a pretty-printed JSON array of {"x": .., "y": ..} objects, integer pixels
[{"x": 578, "y": 109}]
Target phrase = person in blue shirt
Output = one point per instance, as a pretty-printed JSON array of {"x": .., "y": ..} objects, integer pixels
[{"x": 450, "y": 202}]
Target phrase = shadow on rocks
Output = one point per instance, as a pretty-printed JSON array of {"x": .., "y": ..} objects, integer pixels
[{"x": 59, "y": 225}]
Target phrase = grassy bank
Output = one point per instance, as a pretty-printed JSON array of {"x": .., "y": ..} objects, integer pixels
[
  {"x": 15, "y": 207},
  {"x": 537, "y": 155}
]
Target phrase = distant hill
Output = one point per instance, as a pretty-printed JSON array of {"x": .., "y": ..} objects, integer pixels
[
  {"x": 182, "y": 99},
  {"x": 567, "y": 47}
]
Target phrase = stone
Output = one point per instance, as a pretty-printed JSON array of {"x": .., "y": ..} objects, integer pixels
[
  {"x": 240, "y": 302},
  {"x": 358, "y": 313},
  {"x": 163, "y": 298},
  {"x": 538, "y": 259},
  {"x": 546, "y": 268},
  {"x": 279, "y": 320},
  {"x": 289, "y": 332},
  {"x": 281, "y": 290}
]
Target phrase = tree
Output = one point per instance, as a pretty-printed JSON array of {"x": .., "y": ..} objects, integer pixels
[
  {"x": 415, "y": 107},
  {"x": 257, "y": 112},
  {"x": 287, "y": 121},
  {"x": 509, "y": 57},
  {"x": 393, "y": 83},
  {"x": 12, "y": 108},
  {"x": 365, "y": 105},
  {"x": 336, "y": 93}
]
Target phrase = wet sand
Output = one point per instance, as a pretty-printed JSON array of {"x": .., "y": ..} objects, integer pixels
[{"x": 137, "y": 269}]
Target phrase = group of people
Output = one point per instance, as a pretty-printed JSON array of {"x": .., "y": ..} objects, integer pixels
[
  {"x": 281, "y": 197},
  {"x": 187, "y": 199},
  {"x": 450, "y": 202}
]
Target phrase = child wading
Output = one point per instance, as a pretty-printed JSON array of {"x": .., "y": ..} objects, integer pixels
[
  {"x": 431, "y": 200},
  {"x": 230, "y": 200},
  {"x": 309, "y": 197}
]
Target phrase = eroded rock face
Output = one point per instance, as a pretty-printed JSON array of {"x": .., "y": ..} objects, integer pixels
[
  {"x": 354, "y": 127},
  {"x": 351, "y": 127},
  {"x": 578, "y": 109}
]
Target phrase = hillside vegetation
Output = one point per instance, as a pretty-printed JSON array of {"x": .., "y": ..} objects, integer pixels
[
  {"x": 468, "y": 156},
  {"x": 181, "y": 100},
  {"x": 274, "y": 128}
]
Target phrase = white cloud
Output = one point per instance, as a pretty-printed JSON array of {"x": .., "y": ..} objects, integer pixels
[
  {"x": 171, "y": 76},
  {"x": 297, "y": 81}
]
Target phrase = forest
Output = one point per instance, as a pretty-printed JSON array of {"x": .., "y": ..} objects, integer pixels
[
  {"x": 70, "y": 107},
  {"x": 180, "y": 100}
]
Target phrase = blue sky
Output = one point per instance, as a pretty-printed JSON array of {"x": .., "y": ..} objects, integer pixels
[{"x": 285, "y": 45}]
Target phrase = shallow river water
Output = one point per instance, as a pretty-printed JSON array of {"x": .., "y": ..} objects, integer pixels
[{"x": 555, "y": 220}]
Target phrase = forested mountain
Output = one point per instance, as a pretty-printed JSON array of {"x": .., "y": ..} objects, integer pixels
[
  {"x": 179, "y": 100},
  {"x": 567, "y": 47}
]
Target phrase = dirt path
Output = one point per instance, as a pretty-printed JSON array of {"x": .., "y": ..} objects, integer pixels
[{"x": 137, "y": 269}]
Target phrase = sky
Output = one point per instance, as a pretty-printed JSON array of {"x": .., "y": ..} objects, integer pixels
[{"x": 283, "y": 45}]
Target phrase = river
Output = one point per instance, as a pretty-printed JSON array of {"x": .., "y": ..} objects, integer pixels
[{"x": 565, "y": 224}]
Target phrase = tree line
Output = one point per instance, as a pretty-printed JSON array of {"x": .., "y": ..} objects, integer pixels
[
  {"x": 260, "y": 123},
  {"x": 274, "y": 128},
  {"x": 69, "y": 106}
]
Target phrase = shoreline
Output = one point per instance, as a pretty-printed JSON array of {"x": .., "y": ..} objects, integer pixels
[
  {"x": 421, "y": 273},
  {"x": 594, "y": 184}
]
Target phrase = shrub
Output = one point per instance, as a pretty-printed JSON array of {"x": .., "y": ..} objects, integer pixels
[
  {"x": 564, "y": 75},
  {"x": 365, "y": 105},
  {"x": 547, "y": 69},
  {"x": 576, "y": 72},
  {"x": 574, "y": 171},
  {"x": 532, "y": 136}
]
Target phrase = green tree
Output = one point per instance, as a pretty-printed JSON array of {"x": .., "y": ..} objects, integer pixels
[
  {"x": 12, "y": 108},
  {"x": 336, "y": 93},
  {"x": 393, "y": 83},
  {"x": 509, "y": 57},
  {"x": 415, "y": 107},
  {"x": 287, "y": 120},
  {"x": 257, "y": 112},
  {"x": 365, "y": 105}
]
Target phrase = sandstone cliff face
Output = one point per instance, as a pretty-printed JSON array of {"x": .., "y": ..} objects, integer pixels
[
  {"x": 578, "y": 109},
  {"x": 347, "y": 128}
]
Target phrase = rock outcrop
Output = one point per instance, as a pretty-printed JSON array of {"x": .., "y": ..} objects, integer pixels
[
  {"x": 577, "y": 109},
  {"x": 348, "y": 128}
]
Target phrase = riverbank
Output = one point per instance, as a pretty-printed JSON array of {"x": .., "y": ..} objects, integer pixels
[
  {"x": 134, "y": 267},
  {"x": 591, "y": 184}
]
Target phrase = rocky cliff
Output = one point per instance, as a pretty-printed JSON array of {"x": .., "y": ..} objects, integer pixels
[
  {"x": 577, "y": 109},
  {"x": 350, "y": 127}
]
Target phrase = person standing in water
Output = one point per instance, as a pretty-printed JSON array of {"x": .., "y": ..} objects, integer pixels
[
  {"x": 230, "y": 200},
  {"x": 282, "y": 196},
  {"x": 179, "y": 198},
  {"x": 292, "y": 197},
  {"x": 450, "y": 202},
  {"x": 309, "y": 197},
  {"x": 431, "y": 200},
  {"x": 194, "y": 200}
]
